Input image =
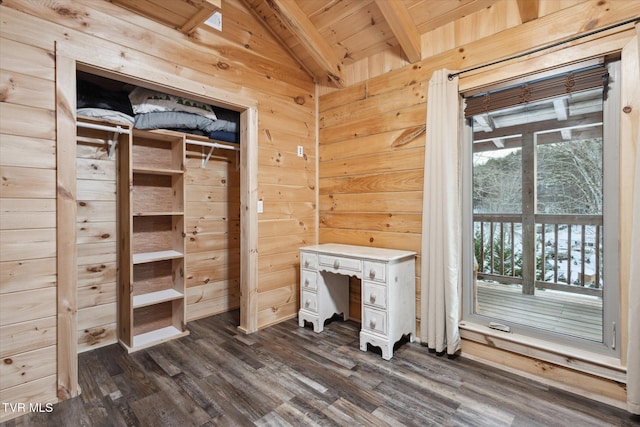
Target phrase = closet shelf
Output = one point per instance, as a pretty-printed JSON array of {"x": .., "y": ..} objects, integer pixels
[
  {"x": 159, "y": 213},
  {"x": 156, "y": 171},
  {"x": 157, "y": 336},
  {"x": 145, "y": 257},
  {"x": 213, "y": 144},
  {"x": 151, "y": 298}
]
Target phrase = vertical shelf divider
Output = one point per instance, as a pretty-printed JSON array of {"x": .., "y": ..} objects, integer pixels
[{"x": 151, "y": 291}]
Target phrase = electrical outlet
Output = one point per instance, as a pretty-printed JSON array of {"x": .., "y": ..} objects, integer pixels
[{"x": 300, "y": 151}]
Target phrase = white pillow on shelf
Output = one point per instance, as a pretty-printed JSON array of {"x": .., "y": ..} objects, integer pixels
[{"x": 148, "y": 101}]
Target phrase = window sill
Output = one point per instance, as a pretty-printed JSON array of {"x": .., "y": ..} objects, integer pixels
[{"x": 580, "y": 360}]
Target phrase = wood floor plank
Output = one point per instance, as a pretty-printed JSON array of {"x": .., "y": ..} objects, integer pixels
[{"x": 290, "y": 376}]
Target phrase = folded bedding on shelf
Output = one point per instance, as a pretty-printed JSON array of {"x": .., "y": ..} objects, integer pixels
[
  {"x": 148, "y": 101},
  {"x": 103, "y": 113},
  {"x": 179, "y": 120},
  {"x": 221, "y": 135}
]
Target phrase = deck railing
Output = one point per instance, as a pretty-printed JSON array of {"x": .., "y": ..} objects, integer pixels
[{"x": 568, "y": 251}]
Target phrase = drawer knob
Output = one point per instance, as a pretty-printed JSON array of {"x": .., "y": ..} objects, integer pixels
[
  {"x": 306, "y": 303},
  {"x": 372, "y": 323},
  {"x": 372, "y": 273},
  {"x": 306, "y": 263},
  {"x": 336, "y": 264},
  {"x": 372, "y": 298},
  {"x": 306, "y": 283}
]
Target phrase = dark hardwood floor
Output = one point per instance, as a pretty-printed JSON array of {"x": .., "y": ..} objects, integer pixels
[{"x": 286, "y": 375}]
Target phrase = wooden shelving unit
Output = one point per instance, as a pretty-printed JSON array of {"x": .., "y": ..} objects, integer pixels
[{"x": 152, "y": 236}]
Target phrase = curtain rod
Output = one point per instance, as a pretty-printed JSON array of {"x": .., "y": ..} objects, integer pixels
[{"x": 539, "y": 49}]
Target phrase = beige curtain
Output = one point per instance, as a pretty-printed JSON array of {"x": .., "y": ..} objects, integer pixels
[
  {"x": 633, "y": 345},
  {"x": 441, "y": 218}
]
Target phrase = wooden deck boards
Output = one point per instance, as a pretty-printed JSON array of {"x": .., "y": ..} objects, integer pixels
[
  {"x": 290, "y": 376},
  {"x": 578, "y": 315}
]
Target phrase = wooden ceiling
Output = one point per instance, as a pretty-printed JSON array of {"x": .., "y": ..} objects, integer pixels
[{"x": 325, "y": 35}]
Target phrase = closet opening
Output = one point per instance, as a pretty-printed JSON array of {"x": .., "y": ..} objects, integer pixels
[{"x": 220, "y": 228}]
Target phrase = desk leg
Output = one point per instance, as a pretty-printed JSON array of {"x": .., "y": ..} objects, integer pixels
[
  {"x": 303, "y": 317},
  {"x": 386, "y": 346}
]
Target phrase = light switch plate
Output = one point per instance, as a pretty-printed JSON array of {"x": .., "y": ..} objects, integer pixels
[{"x": 260, "y": 206}]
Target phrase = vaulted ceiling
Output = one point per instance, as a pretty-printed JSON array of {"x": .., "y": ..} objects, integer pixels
[{"x": 325, "y": 35}]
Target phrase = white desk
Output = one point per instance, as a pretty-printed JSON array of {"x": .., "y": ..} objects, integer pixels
[{"x": 388, "y": 290}]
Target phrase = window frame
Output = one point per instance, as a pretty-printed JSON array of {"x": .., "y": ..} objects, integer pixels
[{"x": 611, "y": 225}]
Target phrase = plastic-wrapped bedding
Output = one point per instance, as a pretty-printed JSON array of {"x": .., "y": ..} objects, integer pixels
[{"x": 181, "y": 120}]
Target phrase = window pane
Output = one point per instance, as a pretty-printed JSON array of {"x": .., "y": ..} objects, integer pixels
[
  {"x": 569, "y": 156},
  {"x": 570, "y": 176},
  {"x": 497, "y": 181},
  {"x": 545, "y": 157}
]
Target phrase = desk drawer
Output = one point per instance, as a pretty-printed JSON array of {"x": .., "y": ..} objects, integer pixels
[
  {"x": 309, "y": 301},
  {"x": 374, "y": 320},
  {"x": 338, "y": 264},
  {"x": 374, "y": 294},
  {"x": 375, "y": 271},
  {"x": 308, "y": 260},
  {"x": 308, "y": 280}
]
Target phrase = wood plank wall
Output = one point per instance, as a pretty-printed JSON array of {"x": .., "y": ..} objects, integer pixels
[
  {"x": 212, "y": 215},
  {"x": 27, "y": 227},
  {"x": 97, "y": 238},
  {"x": 244, "y": 59},
  {"x": 371, "y": 170},
  {"x": 371, "y": 151}
]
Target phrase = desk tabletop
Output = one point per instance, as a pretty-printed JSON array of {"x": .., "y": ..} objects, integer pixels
[{"x": 366, "y": 252}]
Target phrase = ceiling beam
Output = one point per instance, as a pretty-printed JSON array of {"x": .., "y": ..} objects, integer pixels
[
  {"x": 561, "y": 107},
  {"x": 486, "y": 121},
  {"x": 528, "y": 10},
  {"x": 580, "y": 121},
  {"x": 397, "y": 16},
  {"x": 296, "y": 21},
  {"x": 256, "y": 12}
]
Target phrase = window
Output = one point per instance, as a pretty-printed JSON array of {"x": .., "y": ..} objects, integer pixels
[{"x": 541, "y": 203}]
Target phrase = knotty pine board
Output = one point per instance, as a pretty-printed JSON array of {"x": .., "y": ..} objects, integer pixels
[
  {"x": 18, "y": 150},
  {"x": 18, "y": 214},
  {"x": 382, "y": 202},
  {"x": 18, "y": 307},
  {"x": 23, "y": 89},
  {"x": 373, "y": 183},
  {"x": 384, "y": 142},
  {"x": 96, "y": 239},
  {"x": 273, "y": 280},
  {"x": 402, "y": 159},
  {"x": 29, "y": 366},
  {"x": 279, "y": 262},
  {"x": 213, "y": 232},
  {"x": 24, "y": 274}
]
